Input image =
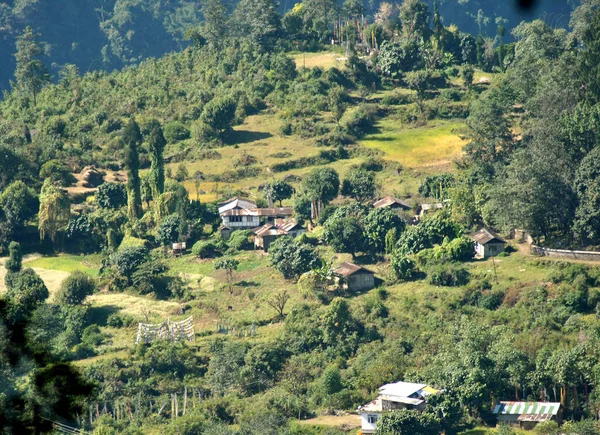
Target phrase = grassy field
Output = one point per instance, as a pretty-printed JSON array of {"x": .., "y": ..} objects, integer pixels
[
  {"x": 435, "y": 144},
  {"x": 325, "y": 60}
]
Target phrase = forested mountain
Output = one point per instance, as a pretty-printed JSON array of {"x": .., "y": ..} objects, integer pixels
[{"x": 108, "y": 34}]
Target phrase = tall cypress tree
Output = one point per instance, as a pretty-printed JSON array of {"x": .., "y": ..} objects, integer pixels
[
  {"x": 131, "y": 140},
  {"x": 156, "y": 146},
  {"x": 437, "y": 24}
]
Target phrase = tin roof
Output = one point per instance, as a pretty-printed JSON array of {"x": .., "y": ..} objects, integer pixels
[
  {"x": 240, "y": 212},
  {"x": 269, "y": 230},
  {"x": 347, "y": 269},
  {"x": 289, "y": 225},
  {"x": 484, "y": 236},
  {"x": 528, "y": 411},
  {"x": 277, "y": 211},
  {"x": 401, "y": 389},
  {"x": 372, "y": 406},
  {"x": 390, "y": 200},
  {"x": 236, "y": 202}
]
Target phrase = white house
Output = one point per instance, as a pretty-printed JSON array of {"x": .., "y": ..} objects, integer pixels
[
  {"x": 240, "y": 218},
  {"x": 399, "y": 395}
]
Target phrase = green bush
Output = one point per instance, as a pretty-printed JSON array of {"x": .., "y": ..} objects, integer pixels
[
  {"x": 117, "y": 320},
  {"x": 448, "y": 275},
  {"x": 204, "y": 249},
  {"x": 239, "y": 240},
  {"x": 358, "y": 122},
  {"x": 175, "y": 131}
]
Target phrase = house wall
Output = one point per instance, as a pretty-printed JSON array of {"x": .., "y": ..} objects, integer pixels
[
  {"x": 246, "y": 222},
  {"x": 488, "y": 250},
  {"x": 361, "y": 281},
  {"x": 368, "y": 428}
]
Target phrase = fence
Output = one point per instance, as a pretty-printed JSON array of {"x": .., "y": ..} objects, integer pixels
[{"x": 563, "y": 253}]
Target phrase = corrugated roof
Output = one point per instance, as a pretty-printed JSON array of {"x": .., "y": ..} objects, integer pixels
[
  {"x": 390, "y": 200},
  {"x": 269, "y": 230},
  {"x": 437, "y": 205},
  {"x": 484, "y": 236},
  {"x": 372, "y": 406},
  {"x": 278, "y": 211},
  {"x": 289, "y": 225},
  {"x": 401, "y": 389},
  {"x": 347, "y": 269},
  {"x": 527, "y": 408},
  {"x": 236, "y": 202},
  {"x": 240, "y": 212}
]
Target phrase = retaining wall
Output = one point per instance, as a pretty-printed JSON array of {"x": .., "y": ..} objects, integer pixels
[{"x": 563, "y": 253}]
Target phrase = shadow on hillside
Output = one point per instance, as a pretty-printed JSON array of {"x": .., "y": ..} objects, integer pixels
[
  {"x": 99, "y": 315},
  {"x": 245, "y": 136}
]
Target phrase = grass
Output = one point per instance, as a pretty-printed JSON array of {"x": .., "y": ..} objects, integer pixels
[
  {"x": 435, "y": 144},
  {"x": 325, "y": 60},
  {"x": 89, "y": 264}
]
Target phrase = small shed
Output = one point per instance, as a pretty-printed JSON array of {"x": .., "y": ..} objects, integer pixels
[
  {"x": 292, "y": 227},
  {"x": 424, "y": 209},
  {"x": 225, "y": 232},
  {"x": 179, "y": 248},
  {"x": 393, "y": 203},
  {"x": 526, "y": 415},
  {"x": 487, "y": 243},
  {"x": 354, "y": 277}
]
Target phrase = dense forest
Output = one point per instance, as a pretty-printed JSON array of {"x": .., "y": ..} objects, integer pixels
[
  {"x": 109, "y": 34},
  {"x": 482, "y": 119}
]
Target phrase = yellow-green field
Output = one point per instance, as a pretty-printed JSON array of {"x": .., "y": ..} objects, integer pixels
[
  {"x": 435, "y": 144},
  {"x": 325, "y": 60}
]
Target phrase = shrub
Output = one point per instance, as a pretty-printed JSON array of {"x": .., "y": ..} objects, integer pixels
[
  {"x": 204, "y": 249},
  {"x": 117, "y": 320},
  {"x": 404, "y": 267},
  {"x": 448, "y": 275},
  {"x": 74, "y": 289},
  {"x": 358, "y": 122},
  {"x": 127, "y": 260},
  {"x": 57, "y": 172},
  {"x": 175, "y": 131},
  {"x": 240, "y": 240},
  {"x": 111, "y": 195}
]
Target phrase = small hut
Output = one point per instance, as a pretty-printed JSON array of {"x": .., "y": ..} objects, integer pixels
[
  {"x": 179, "y": 249},
  {"x": 354, "y": 277},
  {"x": 487, "y": 243}
]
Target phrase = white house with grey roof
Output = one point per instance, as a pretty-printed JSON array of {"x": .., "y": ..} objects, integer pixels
[
  {"x": 399, "y": 395},
  {"x": 526, "y": 415}
]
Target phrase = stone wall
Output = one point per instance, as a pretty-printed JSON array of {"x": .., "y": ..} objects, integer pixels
[{"x": 568, "y": 255}]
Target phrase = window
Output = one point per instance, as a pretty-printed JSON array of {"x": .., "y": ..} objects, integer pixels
[
  {"x": 372, "y": 419},
  {"x": 235, "y": 218}
]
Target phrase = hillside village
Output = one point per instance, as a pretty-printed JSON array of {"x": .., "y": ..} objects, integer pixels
[{"x": 311, "y": 219}]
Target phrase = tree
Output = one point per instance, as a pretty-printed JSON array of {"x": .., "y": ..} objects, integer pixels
[
  {"x": 279, "y": 190},
  {"x": 15, "y": 258},
  {"x": 75, "y": 288},
  {"x": 57, "y": 172},
  {"x": 467, "y": 72},
  {"x": 322, "y": 184},
  {"x": 31, "y": 73},
  {"x": 420, "y": 82},
  {"x": 345, "y": 235},
  {"x": 197, "y": 177},
  {"x": 318, "y": 16},
  {"x": 278, "y": 302},
  {"x": 405, "y": 422},
  {"x": 259, "y": 21},
  {"x": 414, "y": 15},
  {"x": 337, "y": 102},
  {"x": 359, "y": 184},
  {"x": 331, "y": 382},
  {"x": 127, "y": 260},
  {"x": 131, "y": 140},
  {"x": 378, "y": 224},
  {"x": 26, "y": 292},
  {"x": 168, "y": 230},
  {"x": 111, "y": 195},
  {"x": 55, "y": 212},
  {"x": 292, "y": 258},
  {"x": 230, "y": 265},
  {"x": 215, "y": 27},
  {"x": 156, "y": 147},
  {"x": 397, "y": 57},
  {"x": 218, "y": 115},
  {"x": 587, "y": 187},
  {"x": 18, "y": 204},
  {"x": 438, "y": 27},
  {"x": 182, "y": 173}
]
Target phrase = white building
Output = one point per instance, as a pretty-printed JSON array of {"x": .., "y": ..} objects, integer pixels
[{"x": 399, "y": 395}]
